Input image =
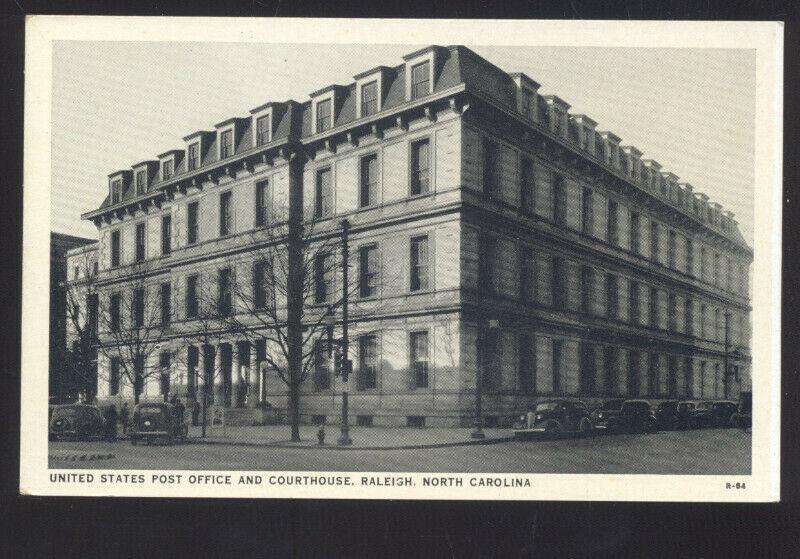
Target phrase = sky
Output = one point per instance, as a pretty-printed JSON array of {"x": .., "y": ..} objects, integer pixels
[{"x": 118, "y": 103}]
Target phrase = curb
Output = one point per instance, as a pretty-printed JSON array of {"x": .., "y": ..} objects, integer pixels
[
  {"x": 350, "y": 448},
  {"x": 81, "y": 457}
]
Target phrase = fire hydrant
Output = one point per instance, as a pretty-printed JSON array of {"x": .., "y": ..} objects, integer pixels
[{"x": 321, "y": 436}]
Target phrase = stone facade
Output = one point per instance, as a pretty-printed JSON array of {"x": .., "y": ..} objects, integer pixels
[{"x": 558, "y": 262}]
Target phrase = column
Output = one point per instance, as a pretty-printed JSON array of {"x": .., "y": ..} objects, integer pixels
[
  {"x": 218, "y": 381},
  {"x": 249, "y": 373},
  {"x": 235, "y": 374}
]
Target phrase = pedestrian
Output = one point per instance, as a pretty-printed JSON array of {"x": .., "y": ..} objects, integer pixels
[
  {"x": 195, "y": 412},
  {"x": 124, "y": 415},
  {"x": 111, "y": 423}
]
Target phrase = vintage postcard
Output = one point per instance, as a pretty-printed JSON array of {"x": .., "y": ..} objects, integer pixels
[{"x": 402, "y": 259}]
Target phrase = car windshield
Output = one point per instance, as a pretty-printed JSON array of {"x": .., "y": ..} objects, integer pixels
[
  {"x": 546, "y": 406},
  {"x": 65, "y": 412},
  {"x": 611, "y": 405},
  {"x": 684, "y": 407},
  {"x": 150, "y": 411}
]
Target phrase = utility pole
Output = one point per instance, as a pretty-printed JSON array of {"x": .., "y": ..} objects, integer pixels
[{"x": 344, "y": 437}]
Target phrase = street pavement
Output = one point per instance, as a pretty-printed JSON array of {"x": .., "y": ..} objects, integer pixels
[{"x": 707, "y": 451}]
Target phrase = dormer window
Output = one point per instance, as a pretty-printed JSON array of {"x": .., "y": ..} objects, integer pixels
[
  {"x": 225, "y": 144},
  {"x": 116, "y": 191},
  {"x": 420, "y": 79},
  {"x": 166, "y": 170},
  {"x": 141, "y": 182},
  {"x": 324, "y": 115},
  {"x": 369, "y": 98},
  {"x": 193, "y": 156},
  {"x": 263, "y": 130},
  {"x": 528, "y": 104}
]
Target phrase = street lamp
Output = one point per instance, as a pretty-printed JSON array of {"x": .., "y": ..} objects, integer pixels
[{"x": 477, "y": 432}]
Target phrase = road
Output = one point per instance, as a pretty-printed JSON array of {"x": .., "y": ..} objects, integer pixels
[{"x": 708, "y": 451}]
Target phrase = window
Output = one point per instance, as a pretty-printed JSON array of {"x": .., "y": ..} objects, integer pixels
[
  {"x": 92, "y": 303},
  {"x": 77, "y": 273},
  {"x": 587, "y": 368},
  {"x": 636, "y": 239},
  {"x": 587, "y": 282},
  {"x": 419, "y": 358},
  {"x": 527, "y": 275},
  {"x": 491, "y": 167},
  {"x": 191, "y": 229},
  {"x": 654, "y": 241},
  {"x": 113, "y": 380},
  {"x": 652, "y": 374},
  {"x": 114, "y": 311},
  {"x": 559, "y": 283},
  {"x": 166, "y": 170},
  {"x": 612, "y": 233},
  {"x": 368, "y": 271},
  {"x": 368, "y": 362},
  {"x": 716, "y": 269},
  {"x": 116, "y": 192},
  {"x": 262, "y": 203},
  {"x": 225, "y": 220},
  {"x": 688, "y": 316},
  {"x": 420, "y": 167},
  {"x": 653, "y": 307},
  {"x": 702, "y": 379},
  {"x": 527, "y": 364},
  {"x": 324, "y": 116},
  {"x": 192, "y": 303},
  {"x": 138, "y": 307},
  {"x": 420, "y": 80},
  {"x": 672, "y": 312},
  {"x": 369, "y": 180},
  {"x": 635, "y": 303},
  {"x": 729, "y": 274},
  {"x": 703, "y": 314},
  {"x": 419, "y": 263},
  {"x": 164, "y": 365},
  {"x": 262, "y": 130},
  {"x": 322, "y": 198},
  {"x": 703, "y": 272},
  {"x": 193, "y": 159},
  {"x": 557, "y": 345},
  {"x": 718, "y": 328},
  {"x": 612, "y": 296},
  {"x": 141, "y": 182},
  {"x": 226, "y": 144},
  {"x": 224, "y": 298},
  {"x": 165, "y": 293},
  {"x": 672, "y": 376},
  {"x": 115, "y": 248},
  {"x": 322, "y": 278},
  {"x": 529, "y": 104},
  {"x": 322, "y": 371},
  {"x": 587, "y": 215},
  {"x": 688, "y": 376},
  {"x": 610, "y": 358},
  {"x": 527, "y": 185},
  {"x": 634, "y": 386},
  {"x": 487, "y": 259},
  {"x": 490, "y": 357},
  {"x": 369, "y": 98},
  {"x": 140, "y": 242},
  {"x": 166, "y": 234},
  {"x": 559, "y": 200},
  {"x": 689, "y": 257},
  {"x": 671, "y": 248},
  {"x": 260, "y": 284}
]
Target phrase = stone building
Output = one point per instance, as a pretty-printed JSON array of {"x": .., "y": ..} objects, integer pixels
[{"x": 491, "y": 232}]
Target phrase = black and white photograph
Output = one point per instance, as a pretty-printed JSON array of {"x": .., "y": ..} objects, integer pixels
[{"x": 302, "y": 266}]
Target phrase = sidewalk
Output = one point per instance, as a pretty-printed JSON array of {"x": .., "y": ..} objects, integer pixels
[{"x": 364, "y": 438}]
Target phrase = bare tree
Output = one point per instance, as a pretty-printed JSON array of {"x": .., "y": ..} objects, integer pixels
[
  {"x": 78, "y": 371},
  {"x": 134, "y": 325}
]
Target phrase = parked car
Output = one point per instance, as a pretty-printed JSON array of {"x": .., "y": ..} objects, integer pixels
[
  {"x": 76, "y": 422},
  {"x": 702, "y": 414},
  {"x": 633, "y": 416},
  {"x": 667, "y": 415},
  {"x": 554, "y": 417},
  {"x": 154, "y": 421},
  {"x": 744, "y": 414},
  {"x": 601, "y": 413},
  {"x": 722, "y": 412},
  {"x": 685, "y": 415}
]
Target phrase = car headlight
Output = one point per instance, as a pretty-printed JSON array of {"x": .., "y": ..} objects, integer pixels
[{"x": 539, "y": 416}]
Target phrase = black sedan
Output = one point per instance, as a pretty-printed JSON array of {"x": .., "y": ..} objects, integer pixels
[
  {"x": 554, "y": 417},
  {"x": 76, "y": 422},
  {"x": 635, "y": 416}
]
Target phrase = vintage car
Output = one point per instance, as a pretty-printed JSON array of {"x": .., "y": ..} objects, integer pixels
[
  {"x": 76, "y": 422},
  {"x": 667, "y": 415},
  {"x": 600, "y": 413},
  {"x": 722, "y": 412},
  {"x": 685, "y": 417},
  {"x": 157, "y": 421},
  {"x": 633, "y": 416},
  {"x": 554, "y": 417},
  {"x": 744, "y": 414}
]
